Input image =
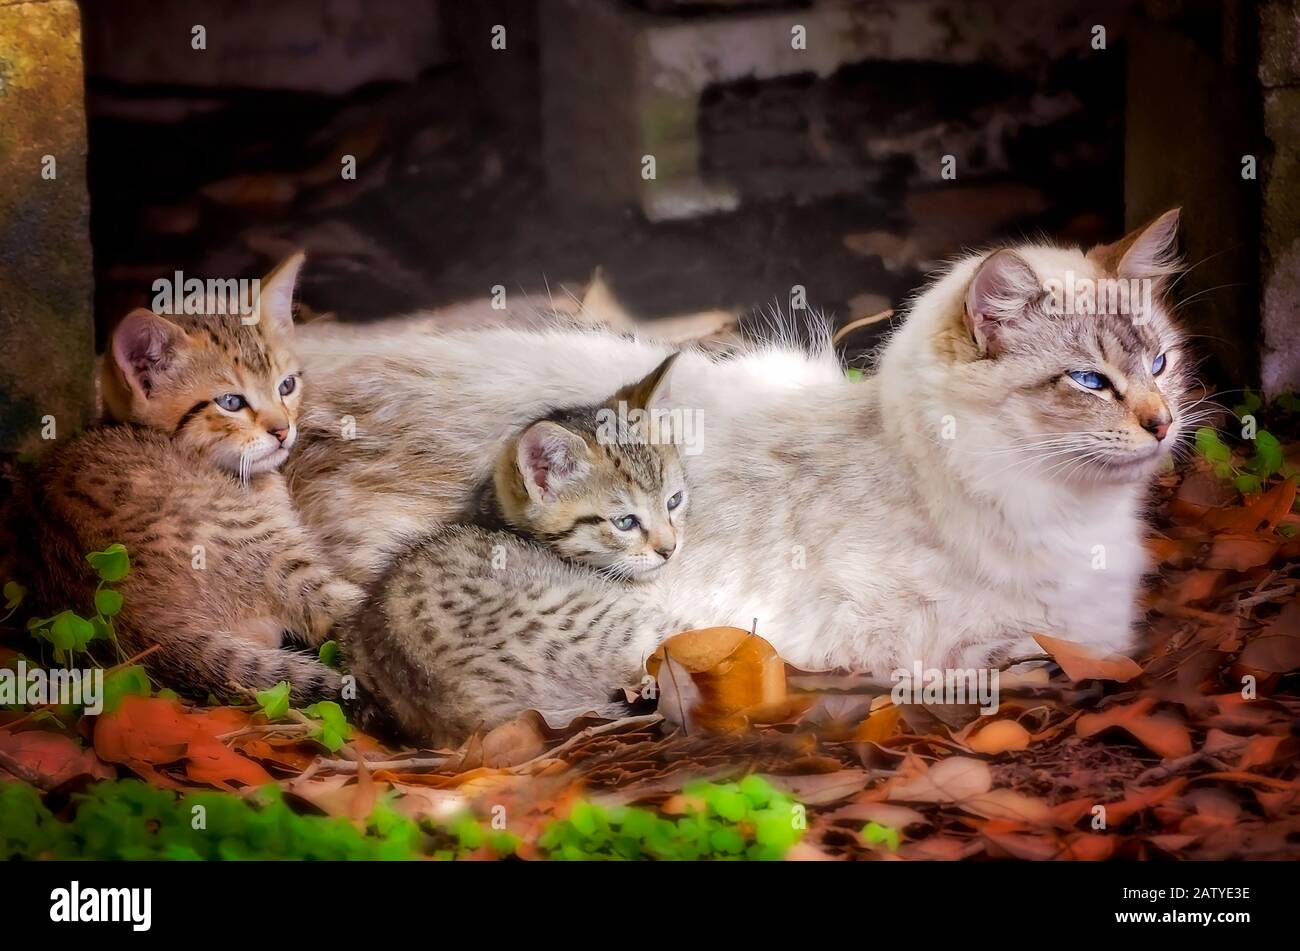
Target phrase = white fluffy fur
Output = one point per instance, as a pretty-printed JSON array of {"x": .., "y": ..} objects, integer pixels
[{"x": 833, "y": 512}]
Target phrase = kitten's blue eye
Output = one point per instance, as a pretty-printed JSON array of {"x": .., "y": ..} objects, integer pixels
[
  {"x": 1158, "y": 365},
  {"x": 231, "y": 402},
  {"x": 674, "y": 501},
  {"x": 625, "y": 523},
  {"x": 1089, "y": 378},
  {"x": 288, "y": 385}
]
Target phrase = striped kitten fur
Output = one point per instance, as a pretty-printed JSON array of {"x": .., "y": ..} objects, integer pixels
[
  {"x": 612, "y": 503},
  {"x": 472, "y": 627},
  {"x": 478, "y": 623},
  {"x": 221, "y": 566}
]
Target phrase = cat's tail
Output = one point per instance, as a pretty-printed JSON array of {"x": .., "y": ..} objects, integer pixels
[{"x": 254, "y": 667}]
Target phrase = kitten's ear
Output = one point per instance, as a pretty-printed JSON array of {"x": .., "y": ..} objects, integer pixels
[
  {"x": 275, "y": 302},
  {"x": 1003, "y": 286},
  {"x": 1150, "y": 251},
  {"x": 144, "y": 347},
  {"x": 550, "y": 457},
  {"x": 651, "y": 389}
]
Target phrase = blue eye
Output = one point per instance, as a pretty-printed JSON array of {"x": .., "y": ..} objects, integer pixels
[
  {"x": 625, "y": 523},
  {"x": 1158, "y": 365},
  {"x": 674, "y": 501},
  {"x": 1089, "y": 378},
  {"x": 231, "y": 402}
]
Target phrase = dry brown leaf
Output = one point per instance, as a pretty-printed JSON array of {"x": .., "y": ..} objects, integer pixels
[
  {"x": 954, "y": 779},
  {"x": 1081, "y": 663},
  {"x": 1163, "y": 734},
  {"x": 886, "y": 813},
  {"x": 1276, "y": 649},
  {"x": 1242, "y": 552},
  {"x": 515, "y": 741},
  {"x": 821, "y": 788},
  {"x": 737, "y": 675},
  {"x": 1008, "y": 805},
  {"x": 880, "y": 725},
  {"x": 50, "y": 759},
  {"x": 1000, "y": 736}
]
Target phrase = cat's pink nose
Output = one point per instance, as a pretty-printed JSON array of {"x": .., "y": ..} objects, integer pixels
[
  {"x": 280, "y": 434},
  {"x": 1156, "y": 427},
  {"x": 666, "y": 553}
]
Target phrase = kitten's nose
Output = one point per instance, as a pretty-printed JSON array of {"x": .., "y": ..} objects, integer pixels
[
  {"x": 280, "y": 434},
  {"x": 666, "y": 553},
  {"x": 1157, "y": 426}
]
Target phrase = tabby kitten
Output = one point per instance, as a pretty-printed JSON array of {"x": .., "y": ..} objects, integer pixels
[
  {"x": 611, "y": 503},
  {"x": 221, "y": 566},
  {"x": 461, "y": 631}
]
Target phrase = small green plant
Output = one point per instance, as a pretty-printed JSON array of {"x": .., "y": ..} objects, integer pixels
[
  {"x": 333, "y": 730},
  {"x": 126, "y": 819},
  {"x": 1266, "y": 460},
  {"x": 68, "y": 632},
  {"x": 873, "y": 833},
  {"x": 725, "y": 821}
]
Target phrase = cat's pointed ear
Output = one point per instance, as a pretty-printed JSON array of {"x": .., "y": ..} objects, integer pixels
[
  {"x": 549, "y": 457},
  {"x": 144, "y": 348},
  {"x": 651, "y": 390},
  {"x": 1150, "y": 251},
  {"x": 275, "y": 300},
  {"x": 1003, "y": 286},
  {"x": 1154, "y": 251}
]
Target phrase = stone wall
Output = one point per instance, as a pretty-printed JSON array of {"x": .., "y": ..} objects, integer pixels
[
  {"x": 46, "y": 331},
  {"x": 1279, "y": 73}
]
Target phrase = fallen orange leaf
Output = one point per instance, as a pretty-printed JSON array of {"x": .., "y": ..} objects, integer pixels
[
  {"x": 736, "y": 677},
  {"x": 51, "y": 758},
  {"x": 1161, "y": 733},
  {"x": 1081, "y": 663}
]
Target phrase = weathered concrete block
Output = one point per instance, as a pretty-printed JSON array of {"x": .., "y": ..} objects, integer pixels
[
  {"x": 288, "y": 44},
  {"x": 619, "y": 83},
  {"x": 1184, "y": 144},
  {"x": 1280, "y": 359},
  {"x": 1279, "y": 43},
  {"x": 46, "y": 324}
]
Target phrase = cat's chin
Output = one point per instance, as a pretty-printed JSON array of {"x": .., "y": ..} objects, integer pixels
[
  {"x": 270, "y": 462},
  {"x": 1128, "y": 468}
]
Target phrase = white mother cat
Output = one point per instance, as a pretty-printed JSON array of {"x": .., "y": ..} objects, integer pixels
[{"x": 984, "y": 485}]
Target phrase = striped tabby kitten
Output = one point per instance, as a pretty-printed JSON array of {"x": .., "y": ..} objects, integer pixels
[
  {"x": 611, "y": 503},
  {"x": 221, "y": 566},
  {"x": 464, "y": 629}
]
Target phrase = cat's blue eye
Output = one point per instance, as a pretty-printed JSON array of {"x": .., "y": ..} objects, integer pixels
[
  {"x": 674, "y": 500},
  {"x": 1158, "y": 365},
  {"x": 1089, "y": 378},
  {"x": 288, "y": 385},
  {"x": 625, "y": 523},
  {"x": 231, "y": 402}
]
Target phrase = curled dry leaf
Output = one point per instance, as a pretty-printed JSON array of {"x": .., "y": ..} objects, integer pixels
[
  {"x": 1276, "y": 649},
  {"x": 880, "y": 725},
  {"x": 145, "y": 732},
  {"x": 1161, "y": 733},
  {"x": 954, "y": 779},
  {"x": 1080, "y": 663},
  {"x": 735, "y": 677},
  {"x": 1000, "y": 736},
  {"x": 515, "y": 741},
  {"x": 50, "y": 759},
  {"x": 1008, "y": 805}
]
